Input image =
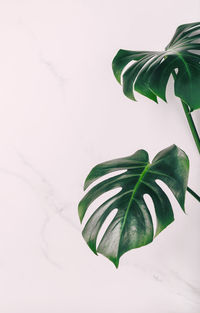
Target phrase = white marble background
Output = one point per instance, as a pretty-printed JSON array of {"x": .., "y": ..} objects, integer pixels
[{"x": 62, "y": 112}]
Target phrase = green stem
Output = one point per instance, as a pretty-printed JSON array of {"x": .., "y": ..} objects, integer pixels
[
  {"x": 191, "y": 125},
  {"x": 190, "y": 120},
  {"x": 194, "y": 134},
  {"x": 193, "y": 194}
]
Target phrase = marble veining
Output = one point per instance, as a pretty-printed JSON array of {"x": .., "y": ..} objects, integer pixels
[{"x": 61, "y": 112}]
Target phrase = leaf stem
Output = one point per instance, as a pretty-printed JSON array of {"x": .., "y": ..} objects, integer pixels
[
  {"x": 190, "y": 120},
  {"x": 191, "y": 125},
  {"x": 194, "y": 194}
]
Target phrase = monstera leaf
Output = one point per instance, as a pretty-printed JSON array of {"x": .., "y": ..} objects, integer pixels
[
  {"x": 132, "y": 225},
  {"x": 151, "y": 70}
]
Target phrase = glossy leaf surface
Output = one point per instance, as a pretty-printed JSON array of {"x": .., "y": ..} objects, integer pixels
[
  {"x": 132, "y": 225},
  {"x": 150, "y": 72}
]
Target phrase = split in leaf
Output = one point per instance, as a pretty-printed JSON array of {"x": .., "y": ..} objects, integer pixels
[
  {"x": 132, "y": 225},
  {"x": 150, "y": 72}
]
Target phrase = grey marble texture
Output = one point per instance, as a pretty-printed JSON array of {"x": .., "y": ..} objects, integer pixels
[{"x": 62, "y": 112}]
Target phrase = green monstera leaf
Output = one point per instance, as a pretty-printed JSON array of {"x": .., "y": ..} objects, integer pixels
[
  {"x": 151, "y": 70},
  {"x": 132, "y": 225}
]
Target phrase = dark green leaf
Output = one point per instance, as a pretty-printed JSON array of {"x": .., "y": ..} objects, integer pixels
[
  {"x": 150, "y": 72},
  {"x": 132, "y": 225}
]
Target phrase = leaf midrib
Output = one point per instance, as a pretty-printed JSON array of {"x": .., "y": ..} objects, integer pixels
[{"x": 144, "y": 172}]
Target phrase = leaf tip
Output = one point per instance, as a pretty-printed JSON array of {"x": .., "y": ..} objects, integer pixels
[
  {"x": 113, "y": 259},
  {"x": 184, "y": 211},
  {"x": 163, "y": 97},
  {"x": 116, "y": 70},
  {"x": 115, "y": 262},
  {"x": 131, "y": 97},
  {"x": 91, "y": 242},
  {"x": 92, "y": 246},
  {"x": 80, "y": 211},
  {"x": 159, "y": 94},
  {"x": 89, "y": 179},
  {"x": 160, "y": 228},
  {"x": 86, "y": 184}
]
